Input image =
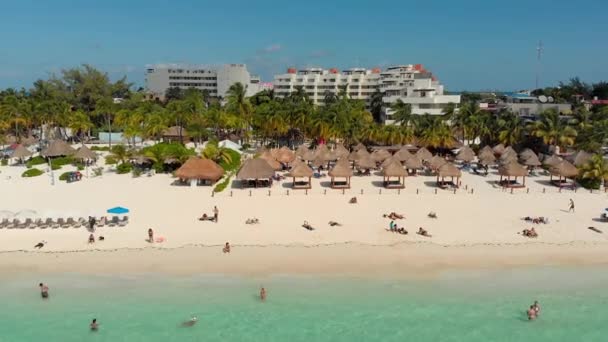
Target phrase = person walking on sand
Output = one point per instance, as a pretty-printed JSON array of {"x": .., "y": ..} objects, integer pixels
[
  {"x": 216, "y": 214},
  {"x": 263, "y": 294},
  {"x": 571, "y": 208},
  {"x": 44, "y": 291},
  {"x": 150, "y": 235}
]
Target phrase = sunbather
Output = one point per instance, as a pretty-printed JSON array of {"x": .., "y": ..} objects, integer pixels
[
  {"x": 307, "y": 226},
  {"x": 531, "y": 233},
  {"x": 394, "y": 216},
  {"x": 334, "y": 223},
  {"x": 353, "y": 200},
  {"x": 206, "y": 217},
  {"x": 423, "y": 232},
  {"x": 252, "y": 221},
  {"x": 401, "y": 231},
  {"x": 40, "y": 244},
  {"x": 432, "y": 214}
]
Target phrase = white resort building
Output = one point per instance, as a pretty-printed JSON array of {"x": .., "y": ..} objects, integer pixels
[
  {"x": 409, "y": 83},
  {"x": 215, "y": 80}
]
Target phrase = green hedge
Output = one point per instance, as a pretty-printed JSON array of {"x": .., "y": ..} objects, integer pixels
[
  {"x": 100, "y": 148},
  {"x": 35, "y": 161},
  {"x": 32, "y": 173},
  {"x": 235, "y": 161},
  {"x": 124, "y": 168},
  {"x": 4, "y": 162},
  {"x": 590, "y": 183},
  {"x": 222, "y": 186},
  {"x": 110, "y": 160},
  {"x": 64, "y": 176}
]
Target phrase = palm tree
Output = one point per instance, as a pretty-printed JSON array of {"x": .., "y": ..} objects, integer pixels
[
  {"x": 595, "y": 169},
  {"x": 238, "y": 104},
  {"x": 402, "y": 112},
  {"x": 120, "y": 153},
  {"x": 375, "y": 105},
  {"x": 553, "y": 130},
  {"x": 510, "y": 129},
  {"x": 216, "y": 153},
  {"x": 155, "y": 124},
  {"x": 79, "y": 123}
]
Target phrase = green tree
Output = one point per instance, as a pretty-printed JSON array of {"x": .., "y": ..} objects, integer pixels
[{"x": 553, "y": 130}]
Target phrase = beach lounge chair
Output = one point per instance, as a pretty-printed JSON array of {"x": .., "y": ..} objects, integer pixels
[
  {"x": 70, "y": 222},
  {"x": 36, "y": 223},
  {"x": 25, "y": 223},
  {"x": 101, "y": 222},
  {"x": 46, "y": 223},
  {"x": 3, "y": 223},
  {"x": 80, "y": 222},
  {"x": 124, "y": 221},
  {"x": 54, "y": 224},
  {"x": 13, "y": 224},
  {"x": 61, "y": 223},
  {"x": 113, "y": 222}
]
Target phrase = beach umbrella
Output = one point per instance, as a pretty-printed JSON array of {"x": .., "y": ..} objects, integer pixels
[
  {"x": 413, "y": 163},
  {"x": 436, "y": 162},
  {"x": 302, "y": 149},
  {"x": 58, "y": 148},
  {"x": 85, "y": 153},
  {"x": 21, "y": 152},
  {"x": 257, "y": 168},
  {"x": 465, "y": 154},
  {"x": 388, "y": 161},
  {"x": 285, "y": 155},
  {"x": 403, "y": 154},
  {"x": 366, "y": 162},
  {"x": 527, "y": 153},
  {"x": 308, "y": 155},
  {"x": 424, "y": 154},
  {"x": 380, "y": 155},
  {"x": 580, "y": 158},
  {"x": 532, "y": 160},
  {"x": 359, "y": 147},
  {"x": 564, "y": 169},
  {"x": 552, "y": 160},
  {"x": 118, "y": 211},
  {"x": 498, "y": 149},
  {"x": 340, "y": 151}
]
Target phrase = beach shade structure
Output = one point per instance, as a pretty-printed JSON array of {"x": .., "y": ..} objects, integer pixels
[
  {"x": 118, "y": 211},
  {"x": 204, "y": 171},
  {"x": 509, "y": 174},
  {"x": 341, "y": 170},
  {"x": 465, "y": 154},
  {"x": 498, "y": 149},
  {"x": 302, "y": 172},
  {"x": 274, "y": 152},
  {"x": 340, "y": 151},
  {"x": 394, "y": 170},
  {"x": 532, "y": 161},
  {"x": 29, "y": 141},
  {"x": 485, "y": 151},
  {"x": 403, "y": 154},
  {"x": 285, "y": 155},
  {"x": 271, "y": 161},
  {"x": 526, "y": 153},
  {"x": 302, "y": 149},
  {"x": 359, "y": 147},
  {"x": 507, "y": 158},
  {"x": 579, "y": 158},
  {"x": 308, "y": 155},
  {"x": 552, "y": 161},
  {"x": 388, "y": 161},
  {"x": 324, "y": 154},
  {"x": 20, "y": 152},
  {"x": 448, "y": 170},
  {"x": 380, "y": 155},
  {"x": 175, "y": 133},
  {"x": 424, "y": 154},
  {"x": 412, "y": 164},
  {"x": 255, "y": 172},
  {"x": 318, "y": 162},
  {"x": 436, "y": 162},
  {"x": 563, "y": 170},
  {"x": 58, "y": 148},
  {"x": 85, "y": 153},
  {"x": 365, "y": 162}
]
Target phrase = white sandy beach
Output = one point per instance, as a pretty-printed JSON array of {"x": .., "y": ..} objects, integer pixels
[{"x": 479, "y": 228}]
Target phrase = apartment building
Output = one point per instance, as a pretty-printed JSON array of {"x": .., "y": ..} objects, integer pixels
[
  {"x": 411, "y": 84},
  {"x": 215, "y": 80}
]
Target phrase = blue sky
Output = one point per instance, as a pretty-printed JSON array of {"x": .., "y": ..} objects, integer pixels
[{"x": 468, "y": 44}]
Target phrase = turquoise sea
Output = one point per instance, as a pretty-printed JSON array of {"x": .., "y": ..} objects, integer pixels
[{"x": 450, "y": 306}]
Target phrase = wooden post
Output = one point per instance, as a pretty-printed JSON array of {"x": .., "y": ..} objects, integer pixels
[
  {"x": 268, "y": 192},
  {"x": 417, "y": 191},
  {"x": 324, "y": 191},
  {"x": 543, "y": 190},
  {"x": 306, "y": 192},
  {"x": 361, "y": 191},
  {"x": 287, "y": 192},
  {"x": 454, "y": 191},
  {"x": 249, "y": 193},
  {"x": 342, "y": 191},
  {"x": 380, "y": 192},
  {"x": 511, "y": 190},
  {"x": 435, "y": 191},
  {"x": 230, "y": 193},
  {"x": 527, "y": 190},
  {"x": 212, "y": 193},
  {"x": 398, "y": 191}
]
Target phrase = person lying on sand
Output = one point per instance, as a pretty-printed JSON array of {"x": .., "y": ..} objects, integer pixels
[
  {"x": 432, "y": 214},
  {"x": 537, "y": 220},
  {"x": 206, "y": 217},
  {"x": 334, "y": 223},
  {"x": 192, "y": 321},
  {"x": 307, "y": 226},
  {"x": 401, "y": 230},
  {"x": 40, "y": 244},
  {"x": 394, "y": 216},
  {"x": 353, "y": 200},
  {"x": 101, "y": 238},
  {"x": 423, "y": 232},
  {"x": 252, "y": 221},
  {"x": 531, "y": 233}
]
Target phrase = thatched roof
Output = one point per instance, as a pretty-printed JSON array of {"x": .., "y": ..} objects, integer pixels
[
  {"x": 436, "y": 162},
  {"x": 486, "y": 160},
  {"x": 580, "y": 158},
  {"x": 341, "y": 169},
  {"x": 380, "y": 155},
  {"x": 513, "y": 170},
  {"x": 366, "y": 162},
  {"x": 21, "y": 152},
  {"x": 394, "y": 169},
  {"x": 552, "y": 160},
  {"x": 29, "y": 141},
  {"x": 465, "y": 154},
  {"x": 257, "y": 168},
  {"x": 485, "y": 151},
  {"x": 271, "y": 161},
  {"x": 424, "y": 154},
  {"x": 274, "y": 152},
  {"x": 413, "y": 163},
  {"x": 340, "y": 151},
  {"x": 323, "y": 153},
  {"x": 527, "y": 153},
  {"x": 285, "y": 155},
  {"x": 308, "y": 155},
  {"x": 318, "y": 162},
  {"x": 388, "y": 161},
  {"x": 58, "y": 148},
  {"x": 508, "y": 157},
  {"x": 403, "y": 154},
  {"x": 564, "y": 169},
  {"x": 301, "y": 150},
  {"x": 362, "y": 153},
  {"x": 359, "y": 147},
  {"x": 85, "y": 153},
  {"x": 197, "y": 168},
  {"x": 532, "y": 160},
  {"x": 174, "y": 131},
  {"x": 498, "y": 149},
  {"x": 300, "y": 170},
  {"x": 509, "y": 150},
  {"x": 448, "y": 170}
]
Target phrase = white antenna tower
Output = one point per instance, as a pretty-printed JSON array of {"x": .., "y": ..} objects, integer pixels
[{"x": 539, "y": 54}]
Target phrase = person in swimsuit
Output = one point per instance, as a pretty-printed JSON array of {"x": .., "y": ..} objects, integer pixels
[
  {"x": 150, "y": 235},
  {"x": 226, "y": 248},
  {"x": 44, "y": 291},
  {"x": 216, "y": 214},
  {"x": 531, "y": 313},
  {"x": 571, "y": 208},
  {"x": 40, "y": 244},
  {"x": 536, "y": 306},
  {"x": 91, "y": 238},
  {"x": 263, "y": 294},
  {"x": 94, "y": 325},
  {"x": 192, "y": 321}
]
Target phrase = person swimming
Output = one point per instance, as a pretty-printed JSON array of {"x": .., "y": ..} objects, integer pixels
[
  {"x": 531, "y": 313},
  {"x": 263, "y": 294},
  {"x": 44, "y": 291},
  {"x": 94, "y": 325},
  {"x": 192, "y": 321},
  {"x": 536, "y": 306}
]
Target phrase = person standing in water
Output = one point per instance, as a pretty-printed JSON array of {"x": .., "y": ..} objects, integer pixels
[
  {"x": 536, "y": 306},
  {"x": 263, "y": 294},
  {"x": 571, "y": 207},
  {"x": 94, "y": 325},
  {"x": 44, "y": 291},
  {"x": 531, "y": 313}
]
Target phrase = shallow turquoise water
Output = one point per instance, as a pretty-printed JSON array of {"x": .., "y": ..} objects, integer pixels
[{"x": 457, "y": 306}]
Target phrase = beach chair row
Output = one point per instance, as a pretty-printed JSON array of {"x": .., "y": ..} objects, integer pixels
[{"x": 62, "y": 223}]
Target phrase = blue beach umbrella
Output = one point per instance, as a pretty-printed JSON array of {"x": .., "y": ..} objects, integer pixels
[{"x": 118, "y": 210}]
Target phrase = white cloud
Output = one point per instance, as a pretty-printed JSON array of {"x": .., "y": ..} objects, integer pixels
[{"x": 272, "y": 48}]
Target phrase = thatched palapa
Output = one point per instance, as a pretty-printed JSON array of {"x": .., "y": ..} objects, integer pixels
[
  {"x": 301, "y": 170},
  {"x": 552, "y": 161},
  {"x": 580, "y": 158},
  {"x": 448, "y": 170},
  {"x": 20, "y": 152},
  {"x": 256, "y": 169},
  {"x": 424, "y": 154},
  {"x": 285, "y": 155},
  {"x": 341, "y": 170},
  {"x": 564, "y": 169},
  {"x": 58, "y": 148},
  {"x": 394, "y": 170},
  {"x": 85, "y": 153},
  {"x": 271, "y": 161},
  {"x": 436, "y": 162},
  {"x": 302, "y": 149},
  {"x": 200, "y": 169},
  {"x": 413, "y": 163},
  {"x": 512, "y": 170},
  {"x": 175, "y": 133},
  {"x": 340, "y": 151},
  {"x": 465, "y": 154},
  {"x": 403, "y": 154},
  {"x": 380, "y": 155},
  {"x": 498, "y": 149},
  {"x": 366, "y": 162}
]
